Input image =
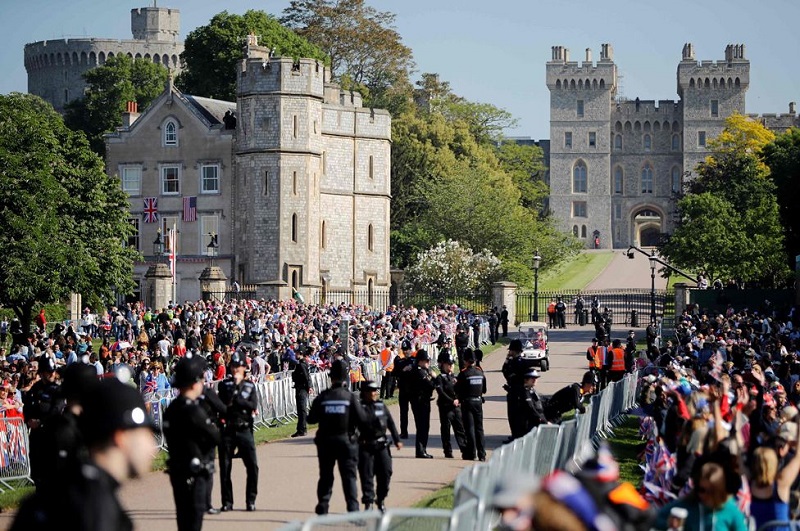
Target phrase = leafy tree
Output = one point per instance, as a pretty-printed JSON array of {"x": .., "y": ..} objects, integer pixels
[
  {"x": 212, "y": 52},
  {"x": 110, "y": 86},
  {"x": 364, "y": 48},
  {"x": 450, "y": 266},
  {"x": 783, "y": 158},
  {"x": 525, "y": 166},
  {"x": 64, "y": 220}
]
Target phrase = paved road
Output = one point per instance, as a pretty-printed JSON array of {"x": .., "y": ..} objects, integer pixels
[{"x": 623, "y": 272}]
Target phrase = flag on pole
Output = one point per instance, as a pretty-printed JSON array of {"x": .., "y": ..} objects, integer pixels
[
  {"x": 150, "y": 209},
  {"x": 171, "y": 244},
  {"x": 190, "y": 208}
]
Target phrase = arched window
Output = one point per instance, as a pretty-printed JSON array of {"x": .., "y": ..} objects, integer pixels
[
  {"x": 294, "y": 228},
  {"x": 647, "y": 143},
  {"x": 294, "y": 183},
  {"x": 294, "y": 126},
  {"x": 371, "y": 168},
  {"x": 618, "y": 142},
  {"x": 575, "y": 230},
  {"x": 676, "y": 143},
  {"x": 676, "y": 179},
  {"x": 619, "y": 180},
  {"x": 323, "y": 239},
  {"x": 583, "y": 231},
  {"x": 370, "y": 238},
  {"x": 170, "y": 134},
  {"x": 647, "y": 179},
  {"x": 579, "y": 180}
]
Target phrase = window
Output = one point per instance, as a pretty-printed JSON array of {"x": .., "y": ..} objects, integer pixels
[
  {"x": 294, "y": 228},
  {"x": 579, "y": 185},
  {"x": 133, "y": 237},
  {"x": 619, "y": 181},
  {"x": 294, "y": 126},
  {"x": 294, "y": 183},
  {"x": 592, "y": 139},
  {"x": 324, "y": 163},
  {"x": 208, "y": 225},
  {"x": 583, "y": 231},
  {"x": 370, "y": 238},
  {"x": 579, "y": 209},
  {"x": 647, "y": 143},
  {"x": 323, "y": 238},
  {"x": 131, "y": 177},
  {"x": 568, "y": 139},
  {"x": 676, "y": 142},
  {"x": 676, "y": 179},
  {"x": 618, "y": 142},
  {"x": 170, "y": 134},
  {"x": 714, "y": 108},
  {"x": 647, "y": 179},
  {"x": 701, "y": 138},
  {"x": 170, "y": 180},
  {"x": 266, "y": 182},
  {"x": 580, "y": 108},
  {"x": 618, "y": 211},
  {"x": 575, "y": 230},
  {"x": 167, "y": 224},
  {"x": 371, "y": 168},
  {"x": 209, "y": 179}
]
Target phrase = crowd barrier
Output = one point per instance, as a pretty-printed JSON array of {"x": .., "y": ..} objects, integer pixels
[
  {"x": 540, "y": 452},
  {"x": 15, "y": 464}
]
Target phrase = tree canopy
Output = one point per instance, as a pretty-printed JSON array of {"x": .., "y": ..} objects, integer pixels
[
  {"x": 212, "y": 52},
  {"x": 65, "y": 222},
  {"x": 783, "y": 158},
  {"x": 110, "y": 86}
]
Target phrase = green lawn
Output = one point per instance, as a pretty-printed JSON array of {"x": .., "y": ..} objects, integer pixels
[
  {"x": 441, "y": 499},
  {"x": 577, "y": 273},
  {"x": 626, "y": 446}
]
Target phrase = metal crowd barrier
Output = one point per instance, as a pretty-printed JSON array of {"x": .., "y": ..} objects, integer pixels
[{"x": 15, "y": 463}]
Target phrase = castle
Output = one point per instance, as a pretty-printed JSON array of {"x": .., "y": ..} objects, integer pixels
[
  {"x": 56, "y": 67},
  {"x": 616, "y": 166}
]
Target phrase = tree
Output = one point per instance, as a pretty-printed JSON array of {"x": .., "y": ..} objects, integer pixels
[
  {"x": 525, "y": 166},
  {"x": 366, "y": 52},
  {"x": 212, "y": 52},
  {"x": 782, "y": 156},
  {"x": 110, "y": 87},
  {"x": 65, "y": 222},
  {"x": 449, "y": 266}
]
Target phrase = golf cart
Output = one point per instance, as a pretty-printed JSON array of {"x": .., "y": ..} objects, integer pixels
[{"x": 533, "y": 335}]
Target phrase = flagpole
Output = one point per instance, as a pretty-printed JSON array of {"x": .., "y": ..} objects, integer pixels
[{"x": 174, "y": 257}]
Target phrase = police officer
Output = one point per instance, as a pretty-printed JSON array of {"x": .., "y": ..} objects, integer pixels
[
  {"x": 119, "y": 436},
  {"x": 42, "y": 403},
  {"x": 403, "y": 367},
  {"x": 241, "y": 400},
  {"x": 470, "y": 388},
  {"x": 533, "y": 409},
  {"x": 561, "y": 313},
  {"x": 462, "y": 342},
  {"x": 191, "y": 435},
  {"x": 570, "y": 397},
  {"x": 338, "y": 413},
  {"x": 514, "y": 369},
  {"x": 374, "y": 457},
  {"x": 448, "y": 403},
  {"x": 302, "y": 388},
  {"x": 215, "y": 410},
  {"x": 421, "y": 392}
]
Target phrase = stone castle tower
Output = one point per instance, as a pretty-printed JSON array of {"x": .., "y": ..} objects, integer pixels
[
  {"x": 312, "y": 181},
  {"x": 616, "y": 165},
  {"x": 55, "y": 67}
]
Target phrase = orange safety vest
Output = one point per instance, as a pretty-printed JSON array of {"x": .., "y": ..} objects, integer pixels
[
  {"x": 386, "y": 355},
  {"x": 551, "y": 308},
  {"x": 596, "y": 361},
  {"x": 618, "y": 363}
]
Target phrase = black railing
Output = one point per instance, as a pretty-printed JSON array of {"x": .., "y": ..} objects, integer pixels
[
  {"x": 229, "y": 295},
  {"x": 477, "y": 301}
]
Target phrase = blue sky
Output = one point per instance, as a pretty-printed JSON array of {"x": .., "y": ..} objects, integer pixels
[{"x": 495, "y": 51}]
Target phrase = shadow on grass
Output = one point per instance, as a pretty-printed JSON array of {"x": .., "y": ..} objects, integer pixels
[{"x": 626, "y": 447}]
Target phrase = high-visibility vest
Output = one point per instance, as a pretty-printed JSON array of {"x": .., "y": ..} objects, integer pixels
[
  {"x": 597, "y": 356},
  {"x": 551, "y": 308},
  {"x": 386, "y": 355},
  {"x": 618, "y": 363}
]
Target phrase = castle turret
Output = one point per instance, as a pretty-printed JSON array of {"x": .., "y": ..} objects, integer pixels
[{"x": 158, "y": 24}]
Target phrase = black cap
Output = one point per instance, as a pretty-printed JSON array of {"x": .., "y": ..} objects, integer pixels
[
  {"x": 588, "y": 377},
  {"x": 469, "y": 355},
  {"x": 46, "y": 364},
  {"x": 444, "y": 358},
  {"x": 77, "y": 379},
  {"x": 110, "y": 406},
  {"x": 595, "y": 340},
  {"x": 339, "y": 371},
  {"x": 238, "y": 360},
  {"x": 370, "y": 386},
  {"x": 422, "y": 355},
  {"x": 515, "y": 345},
  {"x": 187, "y": 371},
  {"x": 406, "y": 345}
]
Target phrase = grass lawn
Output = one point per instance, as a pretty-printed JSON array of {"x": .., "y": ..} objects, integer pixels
[
  {"x": 626, "y": 446},
  {"x": 577, "y": 273},
  {"x": 441, "y": 499}
]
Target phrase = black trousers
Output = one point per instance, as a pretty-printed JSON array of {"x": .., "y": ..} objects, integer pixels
[
  {"x": 330, "y": 451},
  {"x": 516, "y": 416},
  {"x": 472, "y": 411},
  {"x": 374, "y": 463},
  {"x": 189, "y": 493},
  {"x": 209, "y": 458},
  {"x": 451, "y": 416},
  {"x": 301, "y": 398},
  {"x": 404, "y": 401},
  {"x": 422, "y": 422},
  {"x": 243, "y": 441},
  {"x": 505, "y": 328},
  {"x": 387, "y": 385}
]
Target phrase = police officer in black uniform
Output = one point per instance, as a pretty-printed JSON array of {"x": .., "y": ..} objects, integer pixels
[
  {"x": 43, "y": 403},
  {"x": 215, "y": 410},
  {"x": 449, "y": 406},
  {"x": 403, "y": 367},
  {"x": 422, "y": 386},
  {"x": 570, "y": 397},
  {"x": 514, "y": 370},
  {"x": 532, "y": 407},
  {"x": 240, "y": 398},
  {"x": 338, "y": 413},
  {"x": 462, "y": 342},
  {"x": 374, "y": 457},
  {"x": 119, "y": 436},
  {"x": 191, "y": 435},
  {"x": 302, "y": 388},
  {"x": 470, "y": 388}
]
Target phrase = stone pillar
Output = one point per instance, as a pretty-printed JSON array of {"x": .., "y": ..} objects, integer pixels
[
  {"x": 213, "y": 283},
  {"x": 504, "y": 293},
  {"x": 681, "y": 297},
  {"x": 158, "y": 286},
  {"x": 75, "y": 303}
]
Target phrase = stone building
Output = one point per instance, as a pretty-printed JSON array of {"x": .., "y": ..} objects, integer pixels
[
  {"x": 55, "y": 67},
  {"x": 297, "y": 186},
  {"x": 616, "y": 165}
]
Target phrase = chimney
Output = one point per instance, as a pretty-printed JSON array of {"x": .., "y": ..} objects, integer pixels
[
  {"x": 792, "y": 107},
  {"x": 588, "y": 55},
  {"x": 131, "y": 113},
  {"x": 566, "y": 55}
]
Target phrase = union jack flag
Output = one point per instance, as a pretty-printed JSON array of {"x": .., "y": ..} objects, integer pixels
[{"x": 150, "y": 209}]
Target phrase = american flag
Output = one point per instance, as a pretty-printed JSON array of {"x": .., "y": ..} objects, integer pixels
[
  {"x": 190, "y": 208},
  {"x": 150, "y": 209}
]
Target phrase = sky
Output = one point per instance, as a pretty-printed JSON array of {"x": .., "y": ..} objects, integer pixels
[{"x": 495, "y": 52}]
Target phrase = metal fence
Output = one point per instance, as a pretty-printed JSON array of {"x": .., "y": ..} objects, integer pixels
[
  {"x": 621, "y": 304},
  {"x": 15, "y": 463},
  {"x": 479, "y": 301},
  {"x": 246, "y": 293}
]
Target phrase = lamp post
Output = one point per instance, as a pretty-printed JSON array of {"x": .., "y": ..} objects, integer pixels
[
  {"x": 213, "y": 247},
  {"x": 158, "y": 246},
  {"x": 537, "y": 261},
  {"x": 653, "y": 262}
]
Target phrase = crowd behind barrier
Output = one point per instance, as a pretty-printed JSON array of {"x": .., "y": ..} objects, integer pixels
[
  {"x": 541, "y": 451},
  {"x": 15, "y": 463}
]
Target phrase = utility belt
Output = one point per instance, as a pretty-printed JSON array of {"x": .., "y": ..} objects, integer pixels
[
  {"x": 374, "y": 445},
  {"x": 194, "y": 468},
  {"x": 238, "y": 424}
]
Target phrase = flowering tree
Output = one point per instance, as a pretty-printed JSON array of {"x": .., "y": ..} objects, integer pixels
[{"x": 449, "y": 267}]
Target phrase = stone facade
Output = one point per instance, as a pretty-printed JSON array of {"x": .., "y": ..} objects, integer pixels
[
  {"x": 55, "y": 67},
  {"x": 615, "y": 165}
]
